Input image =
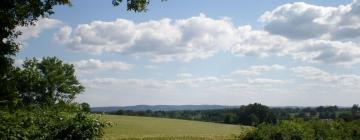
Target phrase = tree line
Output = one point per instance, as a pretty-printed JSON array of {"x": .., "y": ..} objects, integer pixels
[
  {"x": 292, "y": 123},
  {"x": 298, "y": 129},
  {"x": 254, "y": 114}
]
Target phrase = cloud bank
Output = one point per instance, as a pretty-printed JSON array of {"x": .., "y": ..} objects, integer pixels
[{"x": 310, "y": 33}]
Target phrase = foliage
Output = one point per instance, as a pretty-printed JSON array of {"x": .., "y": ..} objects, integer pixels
[
  {"x": 47, "y": 82},
  {"x": 80, "y": 127},
  {"x": 134, "y": 5},
  {"x": 85, "y": 107},
  {"x": 14, "y": 13},
  {"x": 252, "y": 114},
  {"x": 305, "y": 130},
  {"x": 46, "y": 90},
  {"x": 32, "y": 123},
  {"x": 42, "y": 84}
]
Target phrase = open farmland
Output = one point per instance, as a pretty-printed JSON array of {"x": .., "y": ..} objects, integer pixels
[{"x": 130, "y": 127}]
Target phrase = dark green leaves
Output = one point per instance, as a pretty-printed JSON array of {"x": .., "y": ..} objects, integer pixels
[
  {"x": 47, "y": 124},
  {"x": 47, "y": 82},
  {"x": 134, "y": 5}
]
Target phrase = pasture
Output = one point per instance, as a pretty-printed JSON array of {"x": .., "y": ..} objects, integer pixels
[{"x": 147, "y": 128}]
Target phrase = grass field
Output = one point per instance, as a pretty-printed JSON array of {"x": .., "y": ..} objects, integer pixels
[{"x": 147, "y": 128}]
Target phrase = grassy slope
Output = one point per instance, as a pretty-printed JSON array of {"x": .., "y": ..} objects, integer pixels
[{"x": 129, "y": 127}]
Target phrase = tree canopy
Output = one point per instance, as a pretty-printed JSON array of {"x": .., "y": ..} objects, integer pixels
[
  {"x": 15, "y": 13},
  {"x": 47, "y": 82}
]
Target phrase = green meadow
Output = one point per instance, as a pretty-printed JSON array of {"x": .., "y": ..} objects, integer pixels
[{"x": 147, "y": 128}]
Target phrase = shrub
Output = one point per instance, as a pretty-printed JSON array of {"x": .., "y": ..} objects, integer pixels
[
  {"x": 48, "y": 124},
  {"x": 307, "y": 130}
]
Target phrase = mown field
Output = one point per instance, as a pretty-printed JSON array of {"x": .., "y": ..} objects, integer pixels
[{"x": 147, "y": 128}]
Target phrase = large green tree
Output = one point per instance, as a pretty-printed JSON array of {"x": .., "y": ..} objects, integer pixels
[
  {"x": 49, "y": 81},
  {"x": 15, "y": 13}
]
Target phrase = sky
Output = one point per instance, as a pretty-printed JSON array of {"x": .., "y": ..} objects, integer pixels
[{"x": 278, "y": 52}]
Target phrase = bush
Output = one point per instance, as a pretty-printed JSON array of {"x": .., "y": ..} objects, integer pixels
[
  {"x": 307, "y": 130},
  {"x": 285, "y": 130},
  {"x": 48, "y": 124}
]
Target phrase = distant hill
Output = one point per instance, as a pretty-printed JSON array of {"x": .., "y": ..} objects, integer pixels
[{"x": 159, "y": 107}]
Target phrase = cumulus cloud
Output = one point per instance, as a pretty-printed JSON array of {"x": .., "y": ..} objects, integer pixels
[
  {"x": 184, "y": 80},
  {"x": 328, "y": 52},
  {"x": 151, "y": 66},
  {"x": 257, "y": 70},
  {"x": 93, "y": 65},
  {"x": 34, "y": 31},
  {"x": 184, "y": 75},
  {"x": 310, "y": 50},
  {"x": 153, "y": 83},
  {"x": 305, "y": 21},
  {"x": 309, "y": 33},
  {"x": 312, "y": 73},
  {"x": 98, "y": 36},
  {"x": 257, "y": 43},
  {"x": 129, "y": 83},
  {"x": 263, "y": 81},
  {"x": 161, "y": 40}
]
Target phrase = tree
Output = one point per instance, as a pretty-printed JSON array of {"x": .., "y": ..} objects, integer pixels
[
  {"x": 133, "y": 5},
  {"x": 262, "y": 113},
  {"x": 85, "y": 107},
  {"x": 346, "y": 116},
  {"x": 47, "y": 82},
  {"x": 254, "y": 120},
  {"x": 15, "y": 13},
  {"x": 354, "y": 109},
  {"x": 229, "y": 118}
]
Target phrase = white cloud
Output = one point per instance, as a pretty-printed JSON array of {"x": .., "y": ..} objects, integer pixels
[
  {"x": 257, "y": 70},
  {"x": 151, "y": 83},
  {"x": 196, "y": 37},
  {"x": 312, "y": 73},
  {"x": 302, "y": 31},
  {"x": 263, "y": 81},
  {"x": 257, "y": 43},
  {"x": 245, "y": 73},
  {"x": 161, "y": 40},
  {"x": 305, "y": 21},
  {"x": 34, "y": 31},
  {"x": 184, "y": 75},
  {"x": 99, "y": 36},
  {"x": 128, "y": 83},
  {"x": 93, "y": 65},
  {"x": 311, "y": 50},
  {"x": 328, "y": 52},
  {"x": 151, "y": 66},
  {"x": 184, "y": 81}
]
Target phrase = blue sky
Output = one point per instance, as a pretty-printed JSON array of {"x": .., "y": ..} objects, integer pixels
[{"x": 279, "y": 52}]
